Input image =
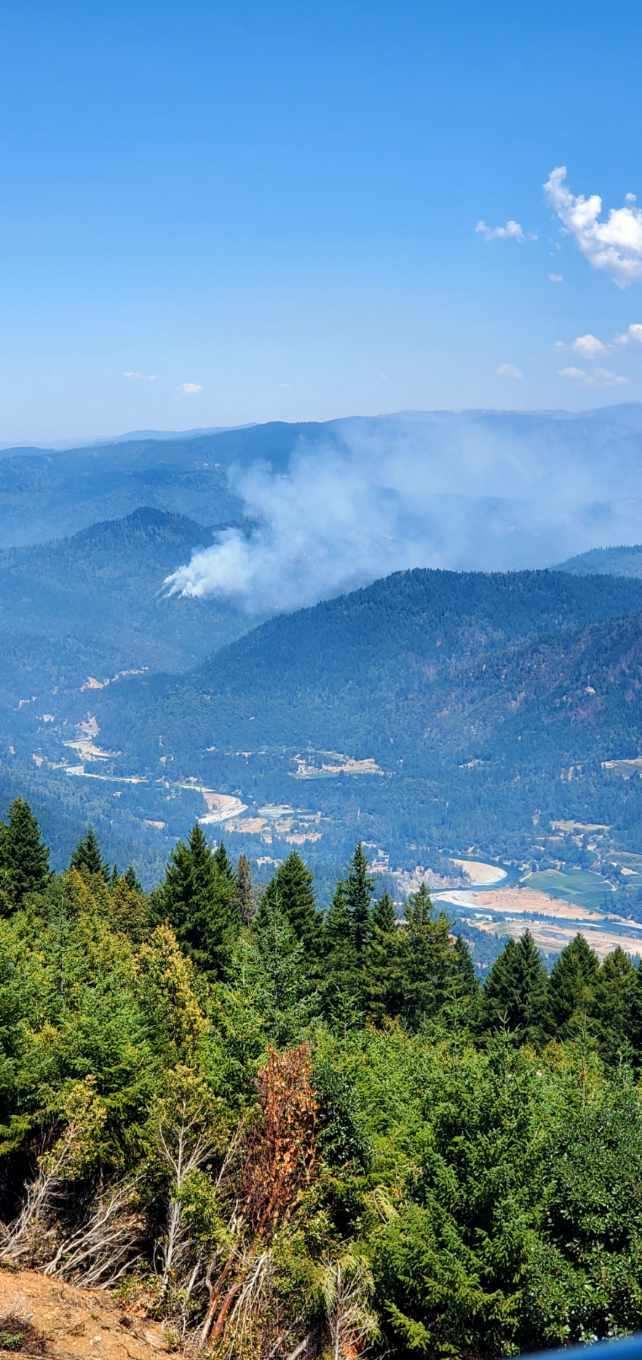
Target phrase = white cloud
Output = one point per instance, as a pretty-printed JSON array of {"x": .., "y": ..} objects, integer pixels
[
  {"x": 599, "y": 377},
  {"x": 556, "y": 278},
  {"x": 190, "y": 389},
  {"x": 589, "y": 346},
  {"x": 575, "y": 374},
  {"x": 631, "y": 336},
  {"x": 509, "y": 371},
  {"x": 134, "y": 375},
  {"x": 608, "y": 378},
  {"x": 613, "y": 244},
  {"x": 511, "y": 231}
]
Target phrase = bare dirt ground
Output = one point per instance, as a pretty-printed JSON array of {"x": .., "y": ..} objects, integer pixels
[
  {"x": 481, "y": 875},
  {"x": 553, "y": 938},
  {"x": 77, "y": 1324},
  {"x": 530, "y": 901}
]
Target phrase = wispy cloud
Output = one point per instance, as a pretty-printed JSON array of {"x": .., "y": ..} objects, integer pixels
[
  {"x": 509, "y": 371},
  {"x": 612, "y": 243},
  {"x": 190, "y": 389},
  {"x": 511, "y": 231},
  {"x": 631, "y": 336},
  {"x": 596, "y": 377},
  {"x": 556, "y": 278},
  {"x": 134, "y": 375}
]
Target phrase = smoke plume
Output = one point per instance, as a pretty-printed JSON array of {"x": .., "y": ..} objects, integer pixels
[{"x": 486, "y": 492}]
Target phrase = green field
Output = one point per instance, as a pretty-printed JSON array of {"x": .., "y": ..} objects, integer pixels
[{"x": 577, "y": 885}]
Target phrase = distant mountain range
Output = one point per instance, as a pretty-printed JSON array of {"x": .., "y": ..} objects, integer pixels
[
  {"x": 47, "y": 492},
  {"x": 622, "y": 561},
  {"x": 428, "y": 712}
]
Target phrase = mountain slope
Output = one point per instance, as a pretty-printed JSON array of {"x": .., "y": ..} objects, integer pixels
[
  {"x": 102, "y": 588},
  {"x": 429, "y": 712},
  {"x": 394, "y": 666},
  {"x": 623, "y": 561}
]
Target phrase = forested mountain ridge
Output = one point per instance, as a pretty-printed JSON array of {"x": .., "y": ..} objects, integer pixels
[
  {"x": 429, "y": 657},
  {"x": 622, "y": 561},
  {"x": 280, "y": 1132},
  {"x": 101, "y": 591}
]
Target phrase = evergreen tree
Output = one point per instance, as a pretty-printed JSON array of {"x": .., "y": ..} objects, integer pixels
[
  {"x": 382, "y": 961},
  {"x": 244, "y": 893},
  {"x": 24, "y": 857},
  {"x": 426, "y": 960},
  {"x": 131, "y": 879},
  {"x": 292, "y": 887},
  {"x": 359, "y": 896},
  {"x": 283, "y": 994},
  {"x": 198, "y": 902},
  {"x": 465, "y": 991},
  {"x": 341, "y": 991},
  {"x": 87, "y": 858},
  {"x": 572, "y": 989},
  {"x": 515, "y": 995},
  {"x": 222, "y": 862},
  {"x": 616, "y": 1000}
]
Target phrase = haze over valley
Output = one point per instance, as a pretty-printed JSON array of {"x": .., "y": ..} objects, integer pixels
[{"x": 441, "y": 714}]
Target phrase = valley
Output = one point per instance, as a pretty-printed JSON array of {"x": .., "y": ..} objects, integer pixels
[{"x": 483, "y": 729}]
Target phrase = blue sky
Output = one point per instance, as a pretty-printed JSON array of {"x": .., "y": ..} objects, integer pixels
[{"x": 268, "y": 211}]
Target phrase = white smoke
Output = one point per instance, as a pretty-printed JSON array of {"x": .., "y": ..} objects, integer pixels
[{"x": 434, "y": 492}]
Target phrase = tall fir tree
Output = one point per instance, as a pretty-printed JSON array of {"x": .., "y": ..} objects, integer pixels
[
  {"x": 516, "y": 991},
  {"x": 131, "y": 879},
  {"x": 244, "y": 890},
  {"x": 572, "y": 990},
  {"x": 222, "y": 862},
  {"x": 616, "y": 1006},
  {"x": 382, "y": 961},
  {"x": 342, "y": 993},
  {"x": 24, "y": 858},
  {"x": 464, "y": 998},
  {"x": 199, "y": 903},
  {"x": 426, "y": 962},
  {"x": 284, "y": 994},
  {"x": 87, "y": 858},
  {"x": 359, "y": 897},
  {"x": 292, "y": 887}
]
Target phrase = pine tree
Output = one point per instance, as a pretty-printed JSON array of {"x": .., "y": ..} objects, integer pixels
[
  {"x": 572, "y": 989},
  {"x": 341, "y": 990},
  {"x": 359, "y": 896},
  {"x": 244, "y": 893},
  {"x": 292, "y": 886},
  {"x": 515, "y": 995},
  {"x": 283, "y": 993},
  {"x": 24, "y": 857},
  {"x": 616, "y": 1001},
  {"x": 87, "y": 858},
  {"x": 465, "y": 991},
  {"x": 131, "y": 879},
  {"x": 425, "y": 960},
  {"x": 222, "y": 862},
  {"x": 198, "y": 902},
  {"x": 382, "y": 961}
]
